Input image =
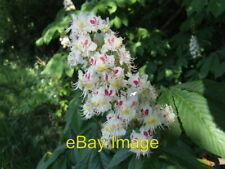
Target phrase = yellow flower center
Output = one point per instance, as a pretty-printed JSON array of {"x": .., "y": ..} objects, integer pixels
[
  {"x": 116, "y": 83},
  {"x": 101, "y": 68},
  {"x": 125, "y": 111}
]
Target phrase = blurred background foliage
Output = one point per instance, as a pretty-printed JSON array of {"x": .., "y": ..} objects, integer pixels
[{"x": 39, "y": 109}]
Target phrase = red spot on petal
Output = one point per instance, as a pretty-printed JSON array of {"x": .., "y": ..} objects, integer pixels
[
  {"x": 103, "y": 58},
  {"x": 145, "y": 133},
  {"x": 92, "y": 61},
  {"x": 119, "y": 103},
  {"x": 136, "y": 82},
  {"x": 106, "y": 77},
  {"x": 146, "y": 112},
  {"x": 115, "y": 71},
  {"x": 133, "y": 104},
  {"x": 106, "y": 92},
  {"x": 165, "y": 115},
  {"x": 92, "y": 21}
]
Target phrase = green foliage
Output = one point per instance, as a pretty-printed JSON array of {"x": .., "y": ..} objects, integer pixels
[
  {"x": 21, "y": 24},
  {"x": 35, "y": 99},
  {"x": 54, "y": 29},
  {"x": 157, "y": 33},
  {"x": 197, "y": 121}
]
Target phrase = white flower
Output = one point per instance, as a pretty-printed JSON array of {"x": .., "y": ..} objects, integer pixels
[
  {"x": 113, "y": 127},
  {"x": 124, "y": 56},
  {"x": 84, "y": 44},
  {"x": 104, "y": 62},
  {"x": 112, "y": 42},
  {"x": 65, "y": 42},
  {"x": 194, "y": 47},
  {"x": 68, "y": 5},
  {"x": 101, "y": 100},
  {"x": 86, "y": 81},
  {"x": 75, "y": 58},
  {"x": 126, "y": 107},
  {"x": 109, "y": 86},
  {"x": 139, "y": 144},
  {"x": 88, "y": 110},
  {"x": 152, "y": 121},
  {"x": 168, "y": 116}
]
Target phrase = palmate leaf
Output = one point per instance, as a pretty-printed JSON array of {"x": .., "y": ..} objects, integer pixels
[
  {"x": 198, "y": 122},
  {"x": 214, "y": 92}
]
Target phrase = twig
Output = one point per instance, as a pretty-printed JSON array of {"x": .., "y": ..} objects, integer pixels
[
  {"x": 172, "y": 18},
  {"x": 41, "y": 62}
]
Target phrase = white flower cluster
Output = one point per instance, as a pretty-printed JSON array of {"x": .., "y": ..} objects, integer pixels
[
  {"x": 64, "y": 40},
  {"x": 109, "y": 86},
  {"x": 194, "y": 47},
  {"x": 68, "y": 5}
]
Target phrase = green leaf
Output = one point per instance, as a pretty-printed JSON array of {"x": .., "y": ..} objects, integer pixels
[
  {"x": 135, "y": 163},
  {"x": 69, "y": 71},
  {"x": 198, "y": 122},
  {"x": 55, "y": 66},
  {"x": 174, "y": 131},
  {"x": 214, "y": 92},
  {"x": 196, "y": 6},
  {"x": 83, "y": 157},
  {"x": 54, "y": 29},
  {"x": 59, "y": 163},
  {"x": 216, "y": 7},
  {"x": 112, "y": 7},
  {"x": 220, "y": 70},
  {"x": 44, "y": 164},
  {"x": 119, "y": 157},
  {"x": 73, "y": 117},
  {"x": 116, "y": 21},
  {"x": 206, "y": 67},
  {"x": 184, "y": 158}
]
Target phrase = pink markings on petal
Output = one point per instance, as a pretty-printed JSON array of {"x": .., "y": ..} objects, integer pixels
[
  {"x": 92, "y": 61},
  {"x": 88, "y": 76},
  {"x": 119, "y": 103},
  {"x": 77, "y": 37},
  {"x": 92, "y": 21},
  {"x": 109, "y": 117},
  {"x": 115, "y": 71},
  {"x": 106, "y": 77},
  {"x": 111, "y": 40},
  {"x": 136, "y": 82},
  {"x": 125, "y": 95},
  {"x": 108, "y": 92},
  {"x": 133, "y": 104},
  {"x": 96, "y": 93},
  {"x": 145, "y": 133},
  {"x": 165, "y": 115},
  {"x": 103, "y": 58},
  {"x": 146, "y": 112},
  {"x": 85, "y": 42}
]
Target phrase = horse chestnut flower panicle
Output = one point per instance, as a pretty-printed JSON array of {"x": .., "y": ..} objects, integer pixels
[{"x": 109, "y": 86}]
